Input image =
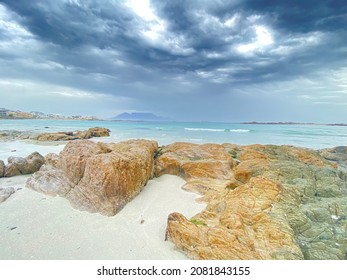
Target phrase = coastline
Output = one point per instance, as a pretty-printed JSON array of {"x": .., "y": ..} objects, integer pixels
[{"x": 307, "y": 181}]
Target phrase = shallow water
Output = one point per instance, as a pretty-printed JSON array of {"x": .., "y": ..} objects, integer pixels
[{"x": 311, "y": 136}]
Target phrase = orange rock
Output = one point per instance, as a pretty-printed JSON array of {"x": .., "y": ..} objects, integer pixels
[
  {"x": 249, "y": 168},
  {"x": 248, "y": 154},
  {"x": 104, "y": 177},
  {"x": 306, "y": 156},
  {"x": 207, "y": 169},
  {"x": 192, "y": 161},
  {"x": 237, "y": 225}
]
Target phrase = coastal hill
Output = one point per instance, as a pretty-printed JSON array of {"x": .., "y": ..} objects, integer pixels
[{"x": 140, "y": 116}]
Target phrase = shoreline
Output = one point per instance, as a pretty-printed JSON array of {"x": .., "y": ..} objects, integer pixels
[{"x": 247, "y": 190}]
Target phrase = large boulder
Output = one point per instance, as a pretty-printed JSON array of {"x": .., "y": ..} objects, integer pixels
[
  {"x": 78, "y": 135},
  {"x": 97, "y": 177},
  {"x": 22, "y": 166}
]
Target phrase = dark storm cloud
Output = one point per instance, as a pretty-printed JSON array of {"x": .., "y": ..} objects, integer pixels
[
  {"x": 109, "y": 25},
  {"x": 172, "y": 48},
  {"x": 302, "y": 16}
]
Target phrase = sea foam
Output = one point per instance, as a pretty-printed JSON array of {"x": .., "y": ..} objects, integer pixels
[{"x": 217, "y": 130}]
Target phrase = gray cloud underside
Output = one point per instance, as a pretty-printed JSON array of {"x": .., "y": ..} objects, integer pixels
[{"x": 178, "y": 49}]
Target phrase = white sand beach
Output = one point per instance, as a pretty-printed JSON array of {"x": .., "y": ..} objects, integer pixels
[{"x": 35, "y": 226}]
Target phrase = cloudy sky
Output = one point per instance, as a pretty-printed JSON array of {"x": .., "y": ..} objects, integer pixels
[{"x": 237, "y": 60}]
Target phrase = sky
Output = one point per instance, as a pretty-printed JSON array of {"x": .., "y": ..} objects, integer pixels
[{"x": 231, "y": 60}]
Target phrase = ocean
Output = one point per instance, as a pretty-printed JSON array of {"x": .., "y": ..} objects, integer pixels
[{"x": 310, "y": 136}]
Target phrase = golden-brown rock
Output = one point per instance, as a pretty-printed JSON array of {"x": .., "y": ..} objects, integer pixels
[
  {"x": 192, "y": 160},
  {"x": 249, "y": 168},
  {"x": 67, "y": 136},
  {"x": 280, "y": 202},
  {"x": 237, "y": 225},
  {"x": 103, "y": 177}
]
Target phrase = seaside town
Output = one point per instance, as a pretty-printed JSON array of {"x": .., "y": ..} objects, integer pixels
[{"x": 16, "y": 114}]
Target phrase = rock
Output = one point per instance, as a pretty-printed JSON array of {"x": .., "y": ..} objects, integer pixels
[
  {"x": 279, "y": 202},
  {"x": 336, "y": 154},
  {"x": 97, "y": 177},
  {"x": 93, "y": 132},
  {"x": 262, "y": 201},
  {"x": 5, "y": 193},
  {"x": 10, "y": 135},
  {"x": 2, "y": 168},
  {"x": 59, "y": 136},
  {"x": 67, "y": 136},
  {"x": 243, "y": 228},
  {"x": 249, "y": 168},
  {"x": 192, "y": 160},
  {"x": 50, "y": 181},
  {"x": 21, "y": 166}
]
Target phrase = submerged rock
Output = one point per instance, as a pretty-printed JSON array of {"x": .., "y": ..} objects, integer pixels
[{"x": 97, "y": 177}]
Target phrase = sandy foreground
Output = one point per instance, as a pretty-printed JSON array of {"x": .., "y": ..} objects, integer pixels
[{"x": 36, "y": 226}]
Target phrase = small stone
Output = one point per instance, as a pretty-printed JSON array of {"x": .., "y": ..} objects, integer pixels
[{"x": 5, "y": 193}]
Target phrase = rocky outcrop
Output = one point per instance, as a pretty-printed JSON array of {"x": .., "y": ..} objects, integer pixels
[
  {"x": 67, "y": 136},
  {"x": 5, "y": 193},
  {"x": 276, "y": 202},
  {"x": 22, "y": 166},
  {"x": 262, "y": 201},
  {"x": 97, "y": 177},
  {"x": 10, "y": 135},
  {"x": 237, "y": 223},
  {"x": 2, "y": 168}
]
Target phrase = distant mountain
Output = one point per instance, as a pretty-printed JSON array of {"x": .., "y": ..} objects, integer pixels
[{"x": 139, "y": 117}]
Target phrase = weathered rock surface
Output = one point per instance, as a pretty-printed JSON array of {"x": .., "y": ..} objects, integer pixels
[
  {"x": 67, "y": 136},
  {"x": 276, "y": 202},
  {"x": 21, "y": 166},
  {"x": 263, "y": 201},
  {"x": 97, "y": 177},
  {"x": 2, "y": 168},
  {"x": 5, "y": 193}
]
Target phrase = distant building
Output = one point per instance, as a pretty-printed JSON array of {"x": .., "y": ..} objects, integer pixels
[
  {"x": 38, "y": 114},
  {"x": 3, "y": 112}
]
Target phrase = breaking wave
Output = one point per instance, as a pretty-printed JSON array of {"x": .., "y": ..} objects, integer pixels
[{"x": 218, "y": 130}]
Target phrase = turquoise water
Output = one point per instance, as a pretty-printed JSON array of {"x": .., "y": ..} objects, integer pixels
[{"x": 311, "y": 136}]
